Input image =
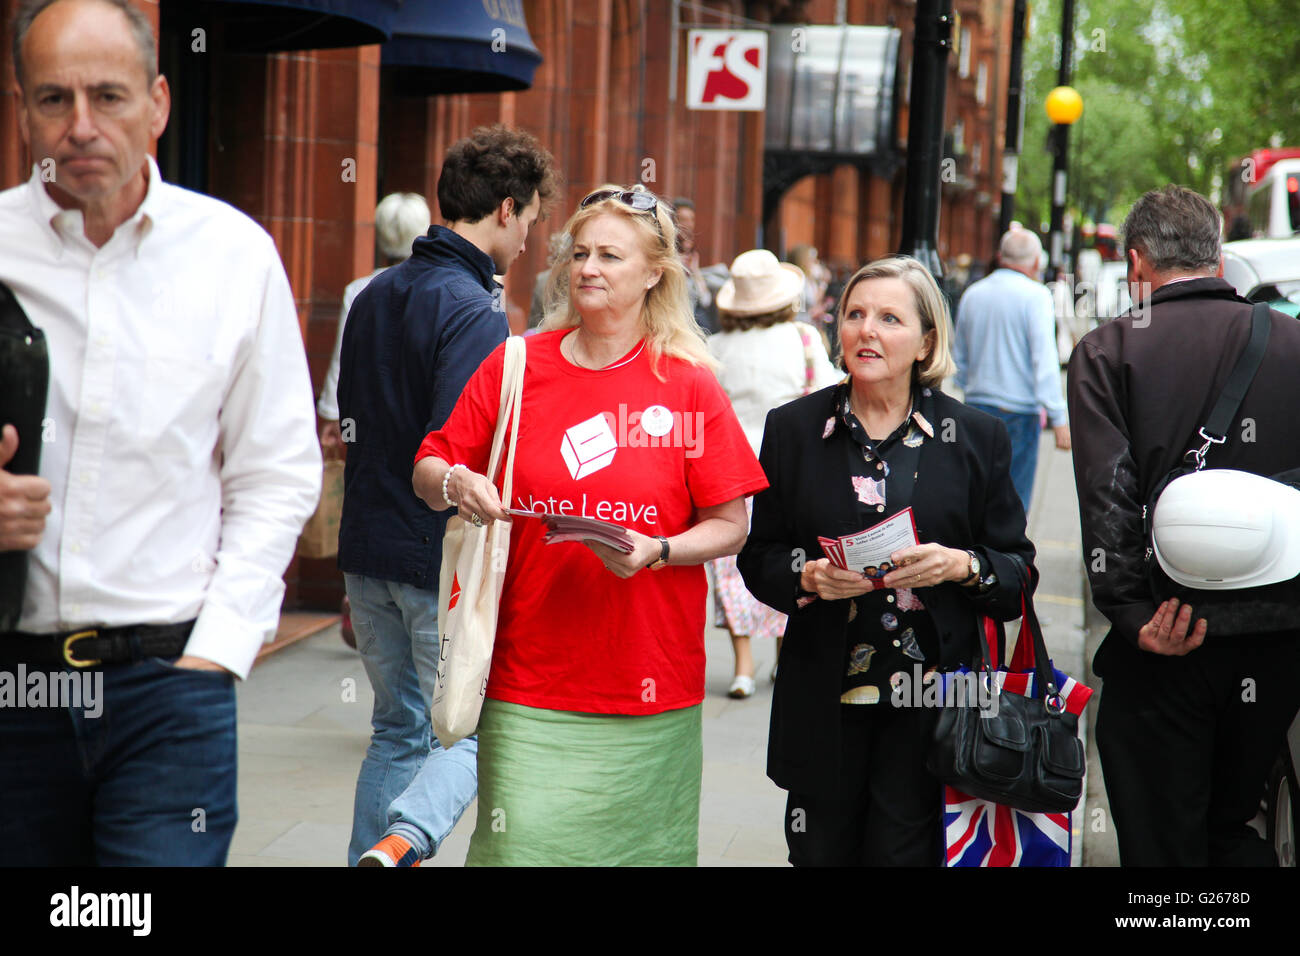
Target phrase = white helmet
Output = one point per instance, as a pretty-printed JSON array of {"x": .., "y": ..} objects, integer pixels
[{"x": 1221, "y": 529}]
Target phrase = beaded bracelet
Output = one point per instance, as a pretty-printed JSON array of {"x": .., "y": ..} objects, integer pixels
[{"x": 445, "y": 479}]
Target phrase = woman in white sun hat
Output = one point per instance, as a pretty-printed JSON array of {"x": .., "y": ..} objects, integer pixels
[{"x": 767, "y": 359}]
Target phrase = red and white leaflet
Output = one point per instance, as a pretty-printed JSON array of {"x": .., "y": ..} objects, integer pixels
[
  {"x": 869, "y": 551},
  {"x": 832, "y": 548},
  {"x": 577, "y": 528}
]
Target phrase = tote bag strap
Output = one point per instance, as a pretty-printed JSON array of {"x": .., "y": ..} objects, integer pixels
[
  {"x": 516, "y": 401},
  {"x": 512, "y": 387}
]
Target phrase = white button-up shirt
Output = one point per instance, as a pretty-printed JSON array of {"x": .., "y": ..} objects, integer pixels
[{"x": 179, "y": 437}]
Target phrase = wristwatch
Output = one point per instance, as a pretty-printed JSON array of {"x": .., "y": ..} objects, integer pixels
[
  {"x": 663, "y": 553},
  {"x": 974, "y": 575}
]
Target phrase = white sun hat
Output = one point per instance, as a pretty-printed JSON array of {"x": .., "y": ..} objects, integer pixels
[
  {"x": 760, "y": 284},
  {"x": 1221, "y": 529}
]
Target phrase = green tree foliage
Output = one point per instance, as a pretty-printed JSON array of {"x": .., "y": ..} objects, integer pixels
[
  {"x": 1251, "y": 52},
  {"x": 1172, "y": 92}
]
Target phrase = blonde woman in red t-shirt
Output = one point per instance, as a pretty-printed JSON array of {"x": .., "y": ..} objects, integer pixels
[{"x": 590, "y": 740}]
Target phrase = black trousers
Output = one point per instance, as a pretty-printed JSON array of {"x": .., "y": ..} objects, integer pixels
[
  {"x": 886, "y": 810},
  {"x": 1186, "y": 745}
]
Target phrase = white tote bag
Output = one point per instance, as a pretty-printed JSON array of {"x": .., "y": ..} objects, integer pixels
[{"x": 472, "y": 576}]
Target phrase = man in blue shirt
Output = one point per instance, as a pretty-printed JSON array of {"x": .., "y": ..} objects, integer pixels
[
  {"x": 1005, "y": 348},
  {"x": 414, "y": 336}
]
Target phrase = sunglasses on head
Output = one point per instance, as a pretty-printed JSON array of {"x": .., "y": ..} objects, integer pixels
[{"x": 638, "y": 199}]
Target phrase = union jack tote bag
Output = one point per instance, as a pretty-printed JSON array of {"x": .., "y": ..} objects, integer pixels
[{"x": 982, "y": 833}]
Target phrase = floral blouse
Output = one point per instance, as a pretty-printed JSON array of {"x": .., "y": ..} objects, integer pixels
[{"x": 890, "y": 637}]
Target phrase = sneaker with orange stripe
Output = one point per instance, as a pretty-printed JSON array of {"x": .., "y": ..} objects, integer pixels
[{"x": 392, "y": 850}]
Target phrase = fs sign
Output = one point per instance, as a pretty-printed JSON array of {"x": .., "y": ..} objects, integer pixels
[{"x": 726, "y": 69}]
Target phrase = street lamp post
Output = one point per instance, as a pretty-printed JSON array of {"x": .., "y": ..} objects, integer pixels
[
  {"x": 1015, "y": 124},
  {"x": 925, "y": 133},
  {"x": 1064, "y": 106}
]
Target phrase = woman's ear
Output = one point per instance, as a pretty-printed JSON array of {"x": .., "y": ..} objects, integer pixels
[
  {"x": 927, "y": 347},
  {"x": 653, "y": 279}
]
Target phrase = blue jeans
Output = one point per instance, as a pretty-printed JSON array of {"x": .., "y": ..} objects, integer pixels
[
  {"x": 144, "y": 778},
  {"x": 1024, "y": 431},
  {"x": 409, "y": 785}
]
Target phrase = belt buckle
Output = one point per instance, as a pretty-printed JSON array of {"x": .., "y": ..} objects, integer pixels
[{"x": 67, "y": 649}]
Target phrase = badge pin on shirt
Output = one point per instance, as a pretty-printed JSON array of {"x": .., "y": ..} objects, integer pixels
[{"x": 656, "y": 421}]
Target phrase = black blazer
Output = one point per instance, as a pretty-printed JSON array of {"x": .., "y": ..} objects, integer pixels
[{"x": 963, "y": 498}]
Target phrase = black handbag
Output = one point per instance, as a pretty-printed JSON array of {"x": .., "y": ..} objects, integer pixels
[
  {"x": 24, "y": 384},
  {"x": 1019, "y": 750}
]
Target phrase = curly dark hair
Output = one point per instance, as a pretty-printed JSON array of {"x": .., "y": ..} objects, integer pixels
[{"x": 490, "y": 164}]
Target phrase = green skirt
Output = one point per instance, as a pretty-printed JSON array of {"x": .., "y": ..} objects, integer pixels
[{"x": 557, "y": 788}]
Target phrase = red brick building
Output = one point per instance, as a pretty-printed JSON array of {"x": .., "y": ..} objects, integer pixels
[{"x": 307, "y": 141}]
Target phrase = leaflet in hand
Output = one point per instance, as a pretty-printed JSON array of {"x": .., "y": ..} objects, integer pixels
[
  {"x": 868, "y": 551},
  {"x": 575, "y": 528}
]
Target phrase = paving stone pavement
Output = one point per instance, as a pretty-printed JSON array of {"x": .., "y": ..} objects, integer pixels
[{"x": 304, "y": 720}]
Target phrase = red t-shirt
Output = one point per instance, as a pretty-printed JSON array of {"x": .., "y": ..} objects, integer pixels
[{"x": 572, "y": 635}]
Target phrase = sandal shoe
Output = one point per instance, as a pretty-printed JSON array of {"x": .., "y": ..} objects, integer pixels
[{"x": 741, "y": 687}]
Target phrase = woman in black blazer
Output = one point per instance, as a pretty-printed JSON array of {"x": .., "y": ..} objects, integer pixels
[{"x": 843, "y": 742}]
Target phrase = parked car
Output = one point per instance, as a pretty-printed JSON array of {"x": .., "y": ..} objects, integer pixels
[
  {"x": 1268, "y": 270},
  {"x": 1282, "y": 800},
  {"x": 1265, "y": 270}
]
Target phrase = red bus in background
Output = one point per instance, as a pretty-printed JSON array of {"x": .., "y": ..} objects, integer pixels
[{"x": 1257, "y": 197}]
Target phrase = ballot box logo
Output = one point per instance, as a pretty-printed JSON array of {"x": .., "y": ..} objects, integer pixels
[{"x": 588, "y": 446}]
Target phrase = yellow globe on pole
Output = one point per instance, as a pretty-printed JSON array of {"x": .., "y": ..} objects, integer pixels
[{"x": 1064, "y": 105}]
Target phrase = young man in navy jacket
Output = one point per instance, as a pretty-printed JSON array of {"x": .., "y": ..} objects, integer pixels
[{"x": 413, "y": 338}]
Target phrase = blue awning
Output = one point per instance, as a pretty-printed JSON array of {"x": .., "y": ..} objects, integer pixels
[
  {"x": 465, "y": 46},
  {"x": 270, "y": 26}
]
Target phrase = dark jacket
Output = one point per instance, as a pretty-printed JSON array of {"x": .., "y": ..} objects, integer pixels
[
  {"x": 413, "y": 338},
  {"x": 1140, "y": 387},
  {"x": 963, "y": 498}
]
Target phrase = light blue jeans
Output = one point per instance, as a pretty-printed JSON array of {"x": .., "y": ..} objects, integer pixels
[
  {"x": 409, "y": 785},
  {"x": 1024, "y": 431}
]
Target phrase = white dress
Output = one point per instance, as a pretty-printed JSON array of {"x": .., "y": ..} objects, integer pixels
[{"x": 762, "y": 369}]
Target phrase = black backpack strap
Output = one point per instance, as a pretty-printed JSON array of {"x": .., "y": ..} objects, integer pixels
[{"x": 1215, "y": 430}]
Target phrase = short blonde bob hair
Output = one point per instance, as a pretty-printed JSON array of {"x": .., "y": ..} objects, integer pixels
[
  {"x": 931, "y": 306},
  {"x": 666, "y": 317}
]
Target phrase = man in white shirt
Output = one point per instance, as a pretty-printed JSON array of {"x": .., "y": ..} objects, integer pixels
[{"x": 179, "y": 462}]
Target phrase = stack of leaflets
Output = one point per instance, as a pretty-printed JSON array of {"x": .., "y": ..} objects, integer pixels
[
  {"x": 575, "y": 528},
  {"x": 869, "y": 551}
]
